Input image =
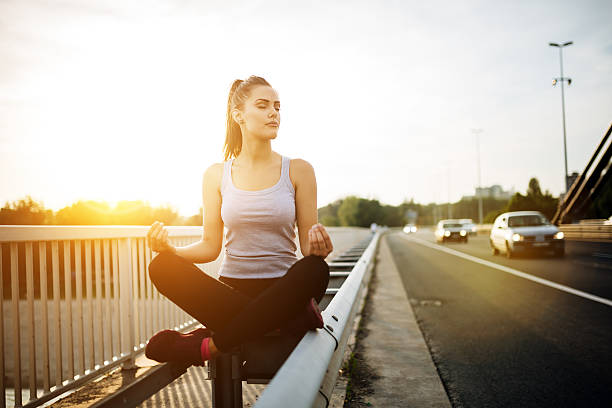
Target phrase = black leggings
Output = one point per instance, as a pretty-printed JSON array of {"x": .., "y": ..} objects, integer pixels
[{"x": 233, "y": 315}]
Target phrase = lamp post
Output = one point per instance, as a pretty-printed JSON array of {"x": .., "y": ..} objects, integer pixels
[
  {"x": 569, "y": 82},
  {"x": 477, "y": 132},
  {"x": 448, "y": 185}
]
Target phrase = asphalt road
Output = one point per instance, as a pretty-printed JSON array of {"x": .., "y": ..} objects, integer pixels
[{"x": 499, "y": 340}]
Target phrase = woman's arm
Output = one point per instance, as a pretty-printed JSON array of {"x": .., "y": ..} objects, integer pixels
[
  {"x": 314, "y": 239},
  {"x": 207, "y": 249}
]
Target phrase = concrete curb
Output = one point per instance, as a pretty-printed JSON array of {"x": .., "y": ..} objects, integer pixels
[{"x": 404, "y": 373}]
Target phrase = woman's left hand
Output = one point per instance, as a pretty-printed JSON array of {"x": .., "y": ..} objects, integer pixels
[{"x": 319, "y": 242}]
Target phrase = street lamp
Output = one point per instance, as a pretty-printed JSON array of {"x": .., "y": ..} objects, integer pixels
[
  {"x": 569, "y": 82},
  {"x": 477, "y": 132}
]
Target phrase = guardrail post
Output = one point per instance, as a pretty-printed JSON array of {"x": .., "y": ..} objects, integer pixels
[
  {"x": 226, "y": 381},
  {"x": 126, "y": 301}
]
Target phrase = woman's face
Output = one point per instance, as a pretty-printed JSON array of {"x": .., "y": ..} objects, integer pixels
[{"x": 261, "y": 113}]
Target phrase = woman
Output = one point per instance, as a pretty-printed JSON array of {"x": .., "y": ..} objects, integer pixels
[{"x": 262, "y": 286}]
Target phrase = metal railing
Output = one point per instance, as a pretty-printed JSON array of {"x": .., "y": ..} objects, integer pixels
[
  {"x": 588, "y": 185},
  {"x": 587, "y": 232},
  {"x": 111, "y": 309},
  {"x": 322, "y": 351},
  {"x": 86, "y": 305}
]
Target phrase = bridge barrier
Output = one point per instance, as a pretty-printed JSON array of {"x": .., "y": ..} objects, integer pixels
[
  {"x": 322, "y": 351},
  {"x": 587, "y": 232},
  {"x": 112, "y": 311}
]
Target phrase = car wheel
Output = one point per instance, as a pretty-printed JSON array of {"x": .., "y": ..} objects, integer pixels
[
  {"x": 509, "y": 253},
  {"x": 494, "y": 250}
]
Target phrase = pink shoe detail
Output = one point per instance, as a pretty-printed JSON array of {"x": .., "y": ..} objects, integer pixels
[{"x": 170, "y": 345}]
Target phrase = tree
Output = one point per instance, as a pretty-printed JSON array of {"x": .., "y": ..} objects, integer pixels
[
  {"x": 197, "y": 219},
  {"x": 348, "y": 211},
  {"x": 84, "y": 213},
  {"x": 328, "y": 215},
  {"x": 534, "y": 200},
  {"x": 534, "y": 188},
  {"x": 25, "y": 212}
]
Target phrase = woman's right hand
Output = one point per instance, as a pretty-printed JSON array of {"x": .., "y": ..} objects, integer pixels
[{"x": 157, "y": 238}]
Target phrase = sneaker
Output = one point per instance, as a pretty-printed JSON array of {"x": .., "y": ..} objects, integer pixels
[{"x": 170, "y": 345}]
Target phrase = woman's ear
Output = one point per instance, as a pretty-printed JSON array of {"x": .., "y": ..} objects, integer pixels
[{"x": 237, "y": 116}]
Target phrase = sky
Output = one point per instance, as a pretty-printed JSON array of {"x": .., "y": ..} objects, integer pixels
[{"x": 112, "y": 100}]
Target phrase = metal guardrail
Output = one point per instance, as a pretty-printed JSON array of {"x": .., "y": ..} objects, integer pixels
[
  {"x": 574, "y": 232},
  {"x": 587, "y": 232},
  {"x": 321, "y": 351}
]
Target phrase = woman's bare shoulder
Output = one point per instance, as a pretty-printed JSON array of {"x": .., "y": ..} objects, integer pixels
[
  {"x": 301, "y": 165},
  {"x": 300, "y": 169},
  {"x": 213, "y": 174}
]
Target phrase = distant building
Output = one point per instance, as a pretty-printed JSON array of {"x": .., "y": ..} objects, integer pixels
[
  {"x": 495, "y": 191},
  {"x": 411, "y": 216},
  {"x": 570, "y": 180}
]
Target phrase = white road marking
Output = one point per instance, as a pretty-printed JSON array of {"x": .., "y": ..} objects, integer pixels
[{"x": 511, "y": 271}]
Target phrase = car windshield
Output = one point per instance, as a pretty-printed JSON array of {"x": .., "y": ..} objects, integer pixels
[
  {"x": 452, "y": 225},
  {"x": 527, "y": 221}
]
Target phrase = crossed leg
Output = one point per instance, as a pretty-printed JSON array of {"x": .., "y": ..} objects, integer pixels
[{"x": 231, "y": 315}]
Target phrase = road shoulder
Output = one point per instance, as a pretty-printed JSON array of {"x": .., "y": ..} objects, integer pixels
[{"x": 403, "y": 373}]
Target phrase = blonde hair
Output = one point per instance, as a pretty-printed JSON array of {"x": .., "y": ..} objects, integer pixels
[{"x": 238, "y": 94}]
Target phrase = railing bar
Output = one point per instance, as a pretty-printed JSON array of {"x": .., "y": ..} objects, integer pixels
[
  {"x": 168, "y": 313},
  {"x": 134, "y": 274},
  {"x": 164, "y": 312},
  {"x": 108, "y": 340},
  {"x": 98, "y": 319},
  {"x": 117, "y": 321},
  {"x": 57, "y": 339},
  {"x": 141, "y": 290},
  {"x": 2, "y": 395},
  {"x": 16, "y": 325},
  {"x": 150, "y": 301},
  {"x": 127, "y": 300},
  {"x": 68, "y": 302},
  {"x": 42, "y": 259},
  {"x": 158, "y": 305},
  {"x": 78, "y": 271},
  {"x": 175, "y": 315},
  {"x": 89, "y": 316},
  {"x": 29, "y": 259}
]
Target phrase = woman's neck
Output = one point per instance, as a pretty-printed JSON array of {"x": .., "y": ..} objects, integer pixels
[{"x": 255, "y": 152}]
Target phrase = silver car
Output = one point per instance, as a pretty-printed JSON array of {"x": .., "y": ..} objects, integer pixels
[
  {"x": 451, "y": 230},
  {"x": 469, "y": 225},
  {"x": 524, "y": 231}
]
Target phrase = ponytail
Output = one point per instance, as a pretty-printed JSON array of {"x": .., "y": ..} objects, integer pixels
[{"x": 238, "y": 94}]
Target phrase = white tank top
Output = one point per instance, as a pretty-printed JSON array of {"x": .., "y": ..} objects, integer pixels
[{"x": 260, "y": 238}]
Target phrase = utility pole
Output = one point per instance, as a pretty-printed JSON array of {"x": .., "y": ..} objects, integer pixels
[
  {"x": 562, "y": 79},
  {"x": 450, "y": 215},
  {"x": 477, "y": 133}
]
